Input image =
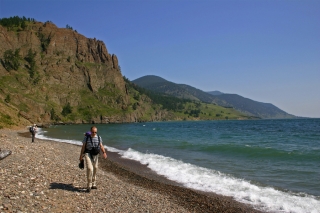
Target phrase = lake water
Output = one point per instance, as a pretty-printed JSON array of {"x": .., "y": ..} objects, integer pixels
[{"x": 273, "y": 165}]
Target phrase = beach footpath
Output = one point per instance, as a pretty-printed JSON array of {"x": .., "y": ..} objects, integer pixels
[{"x": 44, "y": 177}]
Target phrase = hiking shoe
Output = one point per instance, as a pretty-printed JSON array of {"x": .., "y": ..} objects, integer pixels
[
  {"x": 93, "y": 187},
  {"x": 88, "y": 190}
]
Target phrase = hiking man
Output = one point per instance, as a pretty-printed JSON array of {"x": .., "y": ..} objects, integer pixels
[
  {"x": 92, "y": 144},
  {"x": 33, "y": 130}
]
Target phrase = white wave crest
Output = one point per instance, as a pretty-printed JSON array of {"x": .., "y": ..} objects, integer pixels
[{"x": 207, "y": 180}]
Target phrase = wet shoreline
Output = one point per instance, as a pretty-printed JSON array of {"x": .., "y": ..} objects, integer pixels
[{"x": 138, "y": 175}]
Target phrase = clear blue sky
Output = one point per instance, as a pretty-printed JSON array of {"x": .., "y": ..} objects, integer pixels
[{"x": 265, "y": 50}]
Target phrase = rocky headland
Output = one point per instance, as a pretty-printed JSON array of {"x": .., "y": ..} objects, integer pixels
[{"x": 50, "y": 74}]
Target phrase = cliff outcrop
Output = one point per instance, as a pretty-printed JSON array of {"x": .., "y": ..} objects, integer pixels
[
  {"x": 60, "y": 75},
  {"x": 67, "y": 56}
]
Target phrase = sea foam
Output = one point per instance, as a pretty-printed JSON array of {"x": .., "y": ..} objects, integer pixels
[
  {"x": 208, "y": 180},
  {"x": 41, "y": 132}
]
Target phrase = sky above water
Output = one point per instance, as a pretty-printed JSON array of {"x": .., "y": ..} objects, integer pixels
[{"x": 264, "y": 50}]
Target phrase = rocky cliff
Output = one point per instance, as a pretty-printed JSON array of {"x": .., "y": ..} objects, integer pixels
[
  {"x": 63, "y": 56},
  {"x": 60, "y": 75}
]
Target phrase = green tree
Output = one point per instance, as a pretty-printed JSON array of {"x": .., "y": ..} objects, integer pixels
[
  {"x": 69, "y": 27},
  {"x": 30, "y": 58},
  {"x": 11, "y": 59},
  {"x": 137, "y": 96},
  {"x": 34, "y": 74},
  {"x": 53, "y": 115},
  {"x": 134, "y": 106},
  {"x": 15, "y": 22},
  {"x": 8, "y": 98},
  {"x": 45, "y": 41},
  {"x": 66, "y": 110}
]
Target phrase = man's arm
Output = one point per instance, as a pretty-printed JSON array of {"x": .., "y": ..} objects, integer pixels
[
  {"x": 103, "y": 150},
  {"x": 82, "y": 150}
]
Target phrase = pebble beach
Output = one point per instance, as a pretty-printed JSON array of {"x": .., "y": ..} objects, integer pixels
[{"x": 44, "y": 177}]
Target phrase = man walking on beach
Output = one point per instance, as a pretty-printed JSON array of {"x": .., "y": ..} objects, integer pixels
[
  {"x": 91, "y": 142},
  {"x": 33, "y": 130}
]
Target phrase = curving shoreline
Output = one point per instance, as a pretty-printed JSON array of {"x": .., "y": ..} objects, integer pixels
[{"x": 44, "y": 176}]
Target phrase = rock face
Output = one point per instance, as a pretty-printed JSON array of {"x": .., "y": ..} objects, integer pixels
[
  {"x": 69, "y": 69},
  {"x": 65, "y": 56}
]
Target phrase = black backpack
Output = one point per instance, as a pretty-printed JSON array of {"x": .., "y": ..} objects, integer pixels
[
  {"x": 94, "y": 150},
  {"x": 31, "y": 129}
]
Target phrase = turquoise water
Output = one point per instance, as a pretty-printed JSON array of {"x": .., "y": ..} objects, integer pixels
[{"x": 273, "y": 165}]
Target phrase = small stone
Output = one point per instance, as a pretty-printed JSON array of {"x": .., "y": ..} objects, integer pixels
[{"x": 7, "y": 206}]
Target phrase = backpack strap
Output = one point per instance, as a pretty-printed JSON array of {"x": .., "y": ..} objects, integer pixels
[
  {"x": 98, "y": 140},
  {"x": 85, "y": 150}
]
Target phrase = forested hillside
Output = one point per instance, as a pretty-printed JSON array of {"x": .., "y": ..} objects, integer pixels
[
  {"x": 244, "y": 105},
  {"x": 186, "y": 109}
]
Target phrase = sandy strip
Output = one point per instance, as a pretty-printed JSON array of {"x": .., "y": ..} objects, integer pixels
[{"x": 44, "y": 177}]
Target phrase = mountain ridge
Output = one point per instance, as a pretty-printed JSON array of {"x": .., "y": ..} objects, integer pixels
[
  {"x": 245, "y": 105},
  {"x": 216, "y": 92}
]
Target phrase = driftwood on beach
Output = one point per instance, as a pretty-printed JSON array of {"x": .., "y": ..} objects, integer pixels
[{"x": 4, "y": 153}]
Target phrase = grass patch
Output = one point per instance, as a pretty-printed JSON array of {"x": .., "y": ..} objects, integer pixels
[
  {"x": 23, "y": 107},
  {"x": 4, "y": 118},
  {"x": 206, "y": 111}
]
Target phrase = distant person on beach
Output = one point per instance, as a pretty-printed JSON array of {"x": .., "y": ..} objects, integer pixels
[
  {"x": 90, "y": 144},
  {"x": 33, "y": 130}
]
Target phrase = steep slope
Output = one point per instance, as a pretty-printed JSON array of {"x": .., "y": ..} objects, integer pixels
[
  {"x": 197, "y": 93},
  {"x": 54, "y": 64},
  {"x": 245, "y": 105},
  {"x": 50, "y": 74}
]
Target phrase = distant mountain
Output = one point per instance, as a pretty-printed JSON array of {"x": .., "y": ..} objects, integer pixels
[
  {"x": 158, "y": 84},
  {"x": 215, "y": 93},
  {"x": 245, "y": 105},
  {"x": 150, "y": 80},
  {"x": 251, "y": 107}
]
